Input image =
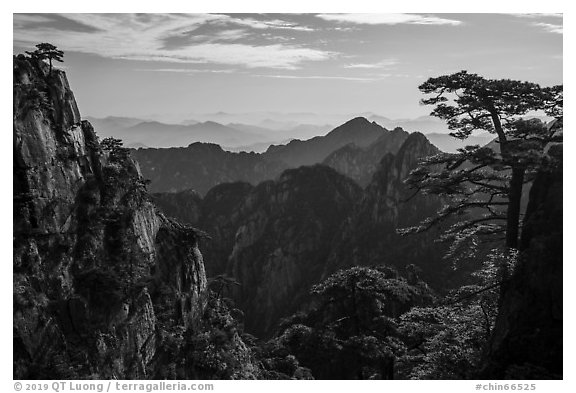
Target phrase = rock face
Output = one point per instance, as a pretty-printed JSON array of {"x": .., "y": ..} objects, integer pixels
[
  {"x": 219, "y": 214},
  {"x": 527, "y": 338},
  {"x": 201, "y": 166},
  {"x": 103, "y": 283},
  {"x": 369, "y": 236},
  {"x": 360, "y": 163},
  {"x": 223, "y": 210},
  {"x": 280, "y": 247},
  {"x": 185, "y": 205}
]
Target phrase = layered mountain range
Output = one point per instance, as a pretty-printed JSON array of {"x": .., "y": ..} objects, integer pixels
[
  {"x": 256, "y": 133},
  {"x": 139, "y": 133},
  {"x": 281, "y": 236},
  {"x": 353, "y": 149}
]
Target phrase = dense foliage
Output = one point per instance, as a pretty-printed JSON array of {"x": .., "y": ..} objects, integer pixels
[{"x": 351, "y": 330}]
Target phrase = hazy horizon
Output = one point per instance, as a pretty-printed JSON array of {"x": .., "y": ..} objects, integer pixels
[
  {"x": 169, "y": 67},
  {"x": 257, "y": 117}
]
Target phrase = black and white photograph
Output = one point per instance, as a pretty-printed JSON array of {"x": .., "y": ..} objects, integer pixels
[{"x": 288, "y": 196}]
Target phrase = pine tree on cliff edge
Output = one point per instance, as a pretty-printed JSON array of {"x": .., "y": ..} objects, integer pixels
[
  {"x": 487, "y": 179},
  {"x": 46, "y": 51}
]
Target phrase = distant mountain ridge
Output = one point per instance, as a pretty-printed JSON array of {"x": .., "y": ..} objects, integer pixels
[
  {"x": 201, "y": 166},
  {"x": 157, "y": 134},
  {"x": 296, "y": 153},
  {"x": 353, "y": 149},
  {"x": 361, "y": 163},
  {"x": 236, "y": 136},
  {"x": 424, "y": 124},
  {"x": 239, "y": 132},
  {"x": 449, "y": 144}
]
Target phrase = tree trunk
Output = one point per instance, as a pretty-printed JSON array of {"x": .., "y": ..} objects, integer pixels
[
  {"x": 513, "y": 214},
  {"x": 512, "y": 224}
]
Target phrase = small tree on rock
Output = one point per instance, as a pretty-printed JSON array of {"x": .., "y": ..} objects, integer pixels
[{"x": 46, "y": 51}]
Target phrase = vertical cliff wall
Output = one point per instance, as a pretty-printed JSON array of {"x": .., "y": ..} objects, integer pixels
[
  {"x": 280, "y": 246},
  {"x": 369, "y": 235},
  {"x": 100, "y": 278},
  {"x": 527, "y": 341}
]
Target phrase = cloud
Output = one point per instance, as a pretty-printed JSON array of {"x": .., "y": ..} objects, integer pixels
[
  {"x": 346, "y": 29},
  {"x": 551, "y": 28},
  {"x": 55, "y": 21},
  {"x": 230, "y": 35},
  {"x": 20, "y": 20},
  {"x": 142, "y": 37},
  {"x": 222, "y": 35},
  {"x": 266, "y": 24},
  {"x": 186, "y": 70},
  {"x": 271, "y": 56},
  {"x": 542, "y": 15},
  {"x": 381, "y": 64},
  {"x": 328, "y": 77},
  {"x": 388, "y": 19}
]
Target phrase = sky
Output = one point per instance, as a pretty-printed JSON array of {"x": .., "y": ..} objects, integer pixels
[{"x": 178, "y": 65}]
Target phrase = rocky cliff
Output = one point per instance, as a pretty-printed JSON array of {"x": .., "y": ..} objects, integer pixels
[
  {"x": 220, "y": 213},
  {"x": 104, "y": 285},
  {"x": 185, "y": 205},
  {"x": 224, "y": 210},
  {"x": 284, "y": 238},
  {"x": 527, "y": 341},
  {"x": 369, "y": 236}
]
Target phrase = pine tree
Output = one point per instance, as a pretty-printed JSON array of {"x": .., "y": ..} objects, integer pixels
[
  {"x": 46, "y": 51},
  {"x": 487, "y": 181}
]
